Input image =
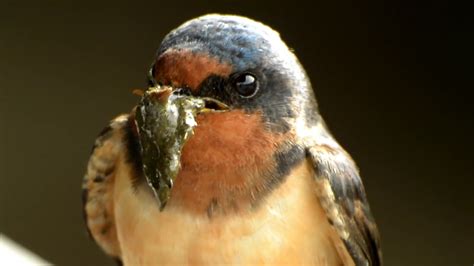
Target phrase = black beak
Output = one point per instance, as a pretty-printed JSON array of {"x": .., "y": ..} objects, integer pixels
[
  {"x": 213, "y": 105},
  {"x": 210, "y": 104}
]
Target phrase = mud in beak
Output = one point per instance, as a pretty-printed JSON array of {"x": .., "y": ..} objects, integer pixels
[{"x": 165, "y": 119}]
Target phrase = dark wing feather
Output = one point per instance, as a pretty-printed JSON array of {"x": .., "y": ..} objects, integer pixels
[
  {"x": 342, "y": 196},
  {"x": 98, "y": 183}
]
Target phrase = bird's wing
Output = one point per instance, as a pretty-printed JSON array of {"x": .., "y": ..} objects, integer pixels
[
  {"x": 98, "y": 186},
  {"x": 342, "y": 196}
]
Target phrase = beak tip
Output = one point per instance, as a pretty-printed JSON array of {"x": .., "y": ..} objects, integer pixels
[{"x": 160, "y": 94}]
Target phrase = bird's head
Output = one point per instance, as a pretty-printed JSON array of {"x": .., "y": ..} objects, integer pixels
[
  {"x": 249, "y": 97},
  {"x": 238, "y": 61}
]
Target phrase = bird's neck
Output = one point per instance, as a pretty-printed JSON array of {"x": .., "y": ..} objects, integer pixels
[{"x": 231, "y": 164}]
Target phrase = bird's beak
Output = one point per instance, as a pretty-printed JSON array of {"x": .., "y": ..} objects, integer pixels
[
  {"x": 161, "y": 94},
  {"x": 165, "y": 120},
  {"x": 213, "y": 105}
]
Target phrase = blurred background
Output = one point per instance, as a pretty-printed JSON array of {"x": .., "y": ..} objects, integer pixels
[{"x": 391, "y": 79}]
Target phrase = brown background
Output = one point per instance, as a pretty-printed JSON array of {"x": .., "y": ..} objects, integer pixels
[{"x": 390, "y": 81}]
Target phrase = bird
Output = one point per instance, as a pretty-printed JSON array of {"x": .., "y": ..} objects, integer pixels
[{"x": 226, "y": 159}]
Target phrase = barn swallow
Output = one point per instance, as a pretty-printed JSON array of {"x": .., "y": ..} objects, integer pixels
[{"x": 226, "y": 160}]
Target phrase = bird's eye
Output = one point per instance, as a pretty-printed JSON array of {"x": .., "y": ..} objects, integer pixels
[{"x": 246, "y": 85}]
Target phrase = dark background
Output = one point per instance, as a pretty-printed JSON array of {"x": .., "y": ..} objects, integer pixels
[{"x": 391, "y": 79}]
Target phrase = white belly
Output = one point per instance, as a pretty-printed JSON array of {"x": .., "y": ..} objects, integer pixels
[{"x": 288, "y": 228}]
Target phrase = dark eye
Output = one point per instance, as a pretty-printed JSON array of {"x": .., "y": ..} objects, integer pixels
[{"x": 246, "y": 85}]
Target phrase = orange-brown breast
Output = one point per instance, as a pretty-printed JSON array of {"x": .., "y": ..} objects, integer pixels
[
  {"x": 184, "y": 68},
  {"x": 225, "y": 163}
]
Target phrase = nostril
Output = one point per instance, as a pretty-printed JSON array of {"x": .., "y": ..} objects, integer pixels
[{"x": 151, "y": 77}]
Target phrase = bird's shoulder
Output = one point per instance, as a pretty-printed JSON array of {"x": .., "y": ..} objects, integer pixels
[
  {"x": 98, "y": 185},
  {"x": 342, "y": 195}
]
